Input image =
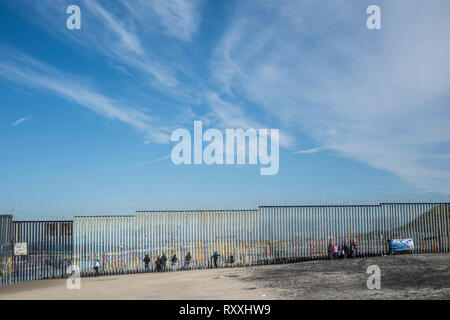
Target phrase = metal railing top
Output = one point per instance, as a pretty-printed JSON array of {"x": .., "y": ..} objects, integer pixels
[
  {"x": 107, "y": 216},
  {"x": 199, "y": 210},
  {"x": 355, "y": 205},
  {"x": 43, "y": 221}
]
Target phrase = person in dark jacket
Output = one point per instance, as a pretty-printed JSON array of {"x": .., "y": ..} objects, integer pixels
[
  {"x": 158, "y": 264},
  {"x": 330, "y": 250},
  {"x": 187, "y": 261},
  {"x": 350, "y": 251},
  {"x": 146, "y": 262},
  {"x": 341, "y": 253},
  {"x": 215, "y": 256},
  {"x": 231, "y": 260},
  {"x": 163, "y": 262},
  {"x": 353, "y": 248},
  {"x": 174, "y": 262},
  {"x": 345, "y": 250}
]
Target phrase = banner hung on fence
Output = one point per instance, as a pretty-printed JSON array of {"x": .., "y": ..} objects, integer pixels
[{"x": 398, "y": 245}]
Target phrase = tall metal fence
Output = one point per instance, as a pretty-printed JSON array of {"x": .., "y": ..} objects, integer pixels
[
  {"x": 306, "y": 231},
  {"x": 6, "y": 254},
  {"x": 36, "y": 250},
  {"x": 33, "y": 250},
  {"x": 110, "y": 239},
  {"x": 121, "y": 243},
  {"x": 251, "y": 237}
]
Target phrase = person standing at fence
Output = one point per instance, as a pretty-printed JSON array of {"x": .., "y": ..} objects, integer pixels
[
  {"x": 335, "y": 252},
  {"x": 341, "y": 253},
  {"x": 215, "y": 257},
  {"x": 163, "y": 262},
  {"x": 350, "y": 251},
  {"x": 330, "y": 250},
  {"x": 158, "y": 264},
  {"x": 147, "y": 262},
  {"x": 187, "y": 261},
  {"x": 231, "y": 260},
  {"x": 174, "y": 262},
  {"x": 96, "y": 267},
  {"x": 353, "y": 248},
  {"x": 345, "y": 250}
]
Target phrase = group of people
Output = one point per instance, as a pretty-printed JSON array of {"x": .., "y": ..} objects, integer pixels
[
  {"x": 161, "y": 262},
  {"x": 343, "y": 252},
  {"x": 334, "y": 252}
]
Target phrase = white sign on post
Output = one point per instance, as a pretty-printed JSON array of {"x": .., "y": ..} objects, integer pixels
[{"x": 20, "y": 249}]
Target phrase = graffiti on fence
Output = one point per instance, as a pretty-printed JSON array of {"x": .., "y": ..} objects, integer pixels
[
  {"x": 251, "y": 237},
  {"x": 209, "y": 238}
]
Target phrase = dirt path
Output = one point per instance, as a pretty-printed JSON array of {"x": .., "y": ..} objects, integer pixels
[{"x": 402, "y": 277}]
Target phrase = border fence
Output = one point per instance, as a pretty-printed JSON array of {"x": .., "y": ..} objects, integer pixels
[
  {"x": 6, "y": 253},
  {"x": 33, "y": 250},
  {"x": 48, "y": 249},
  {"x": 267, "y": 235}
]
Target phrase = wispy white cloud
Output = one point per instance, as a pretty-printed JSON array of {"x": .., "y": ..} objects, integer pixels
[
  {"x": 232, "y": 115},
  {"x": 152, "y": 161},
  {"x": 21, "y": 68},
  {"x": 106, "y": 30},
  {"x": 312, "y": 70},
  {"x": 228, "y": 114},
  {"x": 380, "y": 97},
  {"x": 127, "y": 40},
  {"x": 19, "y": 121},
  {"x": 177, "y": 18},
  {"x": 312, "y": 150},
  {"x": 134, "y": 36}
]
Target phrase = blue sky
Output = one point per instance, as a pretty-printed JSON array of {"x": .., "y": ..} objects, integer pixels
[{"x": 86, "y": 115}]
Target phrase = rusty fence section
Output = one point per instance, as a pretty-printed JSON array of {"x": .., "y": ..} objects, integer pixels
[{"x": 270, "y": 234}]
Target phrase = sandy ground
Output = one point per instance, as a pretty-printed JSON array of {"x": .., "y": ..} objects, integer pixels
[{"x": 402, "y": 277}]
